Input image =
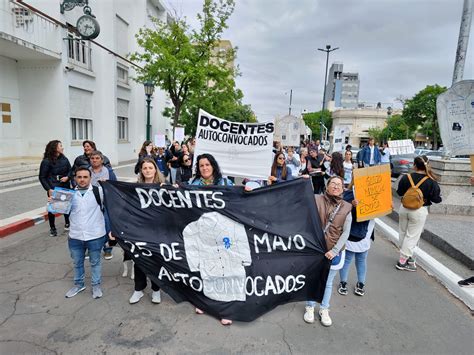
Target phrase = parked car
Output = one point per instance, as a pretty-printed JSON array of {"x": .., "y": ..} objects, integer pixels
[
  {"x": 401, "y": 163},
  {"x": 422, "y": 151}
]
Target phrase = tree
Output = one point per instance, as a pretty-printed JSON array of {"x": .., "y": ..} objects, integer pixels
[
  {"x": 396, "y": 128},
  {"x": 312, "y": 119},
  {"x": 182, "y": 61},
  {"x": 420, "y": 112}
]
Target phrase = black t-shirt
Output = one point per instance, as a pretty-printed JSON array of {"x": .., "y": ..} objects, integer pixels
[{"x": 430, "y": 188}]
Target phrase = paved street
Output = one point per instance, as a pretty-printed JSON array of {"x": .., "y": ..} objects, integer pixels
[{"x": 401, "y": 313}]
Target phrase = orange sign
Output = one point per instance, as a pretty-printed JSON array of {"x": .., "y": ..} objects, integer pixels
[{"x": 373, "y": 190}]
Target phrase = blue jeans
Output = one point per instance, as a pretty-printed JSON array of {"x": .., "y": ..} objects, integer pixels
[
  {"x": 78, "y": 249},
  {"x": 327, "y": 292},
  {"x": 360, "y": 262}
]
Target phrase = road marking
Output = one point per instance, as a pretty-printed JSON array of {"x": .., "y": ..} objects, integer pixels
[
  {"x": 31, "y": 214},
  {"x": 19, "y": 187}
]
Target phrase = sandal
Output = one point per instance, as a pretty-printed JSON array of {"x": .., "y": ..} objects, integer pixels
[{"x": 226, "y": 322}]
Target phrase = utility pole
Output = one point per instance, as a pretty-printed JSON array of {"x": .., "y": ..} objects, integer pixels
[
  {"x": 327, "y": 50},
  {"x": 291, "y": 98},
  {"x": 463, "y": 41}
]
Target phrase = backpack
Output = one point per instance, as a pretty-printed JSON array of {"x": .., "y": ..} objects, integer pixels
[{"x": 413, "y": 197}]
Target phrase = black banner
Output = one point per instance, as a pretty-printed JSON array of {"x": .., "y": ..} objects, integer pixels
[{"x": 234, "y": 254}]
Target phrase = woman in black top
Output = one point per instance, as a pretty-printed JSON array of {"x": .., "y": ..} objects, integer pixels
[
  {"x": 55, "y": 170},
  {"x": 185, "y": 170},
  {"x": 412, "y": 221},
  {"x": 315, "y": 167}
]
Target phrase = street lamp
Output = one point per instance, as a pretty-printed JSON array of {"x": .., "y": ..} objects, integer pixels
[
  {"x": 149, "y": 89},
  {"x": 327, "y": 50}
]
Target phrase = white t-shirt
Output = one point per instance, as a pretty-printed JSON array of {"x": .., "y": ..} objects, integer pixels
[
  {"x": 372, "y": 161},
  {"x": 364, "y": 244},
  {"x": 386, "y": 156},
  {"x": 348, "y": 167}
]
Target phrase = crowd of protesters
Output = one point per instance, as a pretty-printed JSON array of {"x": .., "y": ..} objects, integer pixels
[{"x": 332, "y": 181}]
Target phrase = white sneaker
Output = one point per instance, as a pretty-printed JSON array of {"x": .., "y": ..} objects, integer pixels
[
  {"x": 156, "y": 297},
  {"x": 309, "y": 314},
  {"x": 325, "y": 319},
  {"x": 136, "y": 296}
]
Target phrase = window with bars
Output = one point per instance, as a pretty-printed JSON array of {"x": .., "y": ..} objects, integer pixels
[
  {"x": 81, "y": 129},
  {"x": 79, "y": 52},
  {"x": 122, "y": 125}
]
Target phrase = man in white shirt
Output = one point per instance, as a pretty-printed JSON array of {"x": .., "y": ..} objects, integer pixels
[{"x": 87, "y": 232}]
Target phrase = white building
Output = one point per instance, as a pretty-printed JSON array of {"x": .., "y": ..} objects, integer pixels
[
  {"x": 290, "y": 130},
  {"x": 54, "y": 86}
]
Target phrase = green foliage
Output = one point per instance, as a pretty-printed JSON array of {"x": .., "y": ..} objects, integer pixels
[
  {"x": 420, "y": 112},
  {"x": 395, "y": 129},
  {"x": 312, "y": 120},
  {"x": 185, "y": 64}
]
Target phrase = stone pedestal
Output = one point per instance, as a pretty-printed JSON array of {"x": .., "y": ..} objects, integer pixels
[{"x": 454, "y": 180}]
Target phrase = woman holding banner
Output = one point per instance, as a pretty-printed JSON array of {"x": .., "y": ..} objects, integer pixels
[
  {"x": 208, "y": 173},
  {"x": 149, "y": 174},
  {"x": 336, "y": 218},
  {"x": 280, "y": 171}
]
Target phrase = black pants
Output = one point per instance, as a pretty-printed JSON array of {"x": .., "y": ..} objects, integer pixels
[
  {"x": 318, "y": 184},
  {"x": 52, "y": 218},
  {"x": 140, "y": 280}
]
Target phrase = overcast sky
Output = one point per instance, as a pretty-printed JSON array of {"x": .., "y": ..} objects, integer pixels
[{"x": 397, "y": 47}]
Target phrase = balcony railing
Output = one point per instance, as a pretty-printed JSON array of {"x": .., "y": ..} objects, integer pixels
[{"x": 37, "y": 32}]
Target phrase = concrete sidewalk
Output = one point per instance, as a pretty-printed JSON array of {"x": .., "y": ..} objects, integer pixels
[{"x": 401, "y": 312}]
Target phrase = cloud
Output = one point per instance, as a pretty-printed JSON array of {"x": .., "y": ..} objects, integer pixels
[{"x": 397, "y": 47}]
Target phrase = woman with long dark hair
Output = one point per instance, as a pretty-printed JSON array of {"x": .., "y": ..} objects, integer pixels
[
  {"x": 412, "y": 221},
  {"x": 280, "y": 171},
  {"x": 208, "y": 172},
  {"x": 336, "y": 166},
  {"x": 146, "y": 151},
  {"x": 55, "y": 170}
]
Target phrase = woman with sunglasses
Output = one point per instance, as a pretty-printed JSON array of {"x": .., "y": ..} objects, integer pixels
[
  {"x": 185, "y": 170},
  {"x": 280, "y": 171},
  {"x": 336, "y": 219}
]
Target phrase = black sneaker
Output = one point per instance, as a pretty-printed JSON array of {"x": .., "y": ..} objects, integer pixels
[
  {"x": 53, "y": 232},
  {"x": 66, "y": 227},
  {"x": 342, "y": 289},
  {"x": 467, "y": 283},
  {"x": 359, "y": 289},
  {"x": 406, "y": 266},
  {"x": 411, "y": 261}
]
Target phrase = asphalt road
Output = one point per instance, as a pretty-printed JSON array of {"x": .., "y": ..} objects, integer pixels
[{"x": 401, "y": 313}]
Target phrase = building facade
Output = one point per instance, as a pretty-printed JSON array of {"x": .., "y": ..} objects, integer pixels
[
  {"x": 55, "y": 85},
  {"x": 355, "y": 125},
  {"x": 342, "y": 89},
  {"x": 291, "y": 130}
]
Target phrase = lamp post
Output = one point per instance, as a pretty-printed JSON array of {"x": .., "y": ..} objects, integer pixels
[
  {"x": 149, "y": 89},
  {"x": 327, "y": 50}
]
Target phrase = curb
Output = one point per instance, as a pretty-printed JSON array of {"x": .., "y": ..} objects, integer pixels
[
  {"x": 434, "y": 268},
  {"x": 441, "y": 244},
  {"x": 22, "y": 224}
]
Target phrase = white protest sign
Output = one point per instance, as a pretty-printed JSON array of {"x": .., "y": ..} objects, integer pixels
[
  {"x": 402, "y": 146},
  {"x": 455, "y": 109},
  {"x": 241, "y": 149},
  {"x": 340, "y": 133},
  {"x": 160, "y": 140},
  {"x": 179, "y": 134}
]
